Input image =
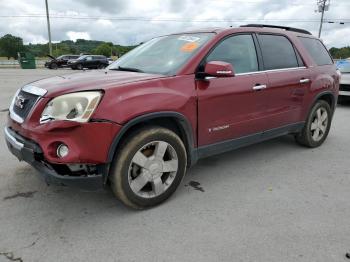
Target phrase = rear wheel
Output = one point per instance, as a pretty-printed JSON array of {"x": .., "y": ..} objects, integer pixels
[
  {"x": 317, "y": 125},
  {"x": 148, "y": 167}
]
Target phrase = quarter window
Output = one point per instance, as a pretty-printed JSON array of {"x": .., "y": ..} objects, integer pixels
[
  {"x": 277, "y": 52},
  {"x": 237, "y": 50},
  {"x": 316, "y": 50}
]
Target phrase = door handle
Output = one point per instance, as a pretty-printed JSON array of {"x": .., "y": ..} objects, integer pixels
[
  {"x": 259, "y": 87},
  {"x": 304, "y": 80}
]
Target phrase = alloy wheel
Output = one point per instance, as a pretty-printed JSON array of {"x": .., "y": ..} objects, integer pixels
[
  {"x": 319, "y": 124},
  {"x": 153, "y": 169}
]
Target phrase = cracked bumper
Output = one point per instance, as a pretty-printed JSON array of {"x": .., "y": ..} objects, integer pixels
[{"x": 30, "y": 152}]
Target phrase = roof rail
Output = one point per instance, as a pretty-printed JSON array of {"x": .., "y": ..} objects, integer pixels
[{"x": 280, "y": 27}]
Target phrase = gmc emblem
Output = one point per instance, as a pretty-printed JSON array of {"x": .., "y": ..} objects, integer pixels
[{"x": 20, "y": 101}]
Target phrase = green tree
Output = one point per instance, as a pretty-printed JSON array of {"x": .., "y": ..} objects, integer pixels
[
  {"x": 340, "y": 53},
  {"x": 105, "y": 49},
  {"x": 61, "y": 49},
  {"x": 10, "y": 45}
]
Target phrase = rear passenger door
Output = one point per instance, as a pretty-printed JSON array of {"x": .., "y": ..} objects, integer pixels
[{"x": 288, "y": 80}]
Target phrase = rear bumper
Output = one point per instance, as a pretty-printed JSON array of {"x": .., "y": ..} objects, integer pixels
[{"x": 30, "y": 152}]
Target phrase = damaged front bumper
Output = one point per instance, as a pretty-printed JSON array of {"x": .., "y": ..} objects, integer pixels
[{"x": 83, "y": 176}]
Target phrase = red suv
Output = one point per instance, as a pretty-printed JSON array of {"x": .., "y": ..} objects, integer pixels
[{"x": 138, "y": 125}]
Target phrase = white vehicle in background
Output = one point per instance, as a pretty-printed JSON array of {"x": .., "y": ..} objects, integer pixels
[{"x": 344, "y": 87}]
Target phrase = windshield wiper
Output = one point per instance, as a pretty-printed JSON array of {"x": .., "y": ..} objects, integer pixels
[{"x": 130, "y": 69}]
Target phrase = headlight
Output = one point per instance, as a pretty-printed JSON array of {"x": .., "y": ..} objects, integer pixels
[{"x": 73, "y": 107}]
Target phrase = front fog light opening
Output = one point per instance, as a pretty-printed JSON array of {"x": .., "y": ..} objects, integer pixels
[{"x": 62, "y": 150}]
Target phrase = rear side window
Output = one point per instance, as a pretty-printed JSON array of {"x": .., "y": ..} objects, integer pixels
[
  {"x": 316, "y": 50},
  {"x": 277, "y": 51},
  {"x": 237, "y": 50}
]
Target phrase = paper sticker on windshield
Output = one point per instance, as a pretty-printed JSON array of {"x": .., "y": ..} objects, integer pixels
[
  {"x": 189, "y": 47},
  {"x": 189, "y": 38}
]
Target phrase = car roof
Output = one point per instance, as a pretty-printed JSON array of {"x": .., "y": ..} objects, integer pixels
[{"x": 252, "y": 28}]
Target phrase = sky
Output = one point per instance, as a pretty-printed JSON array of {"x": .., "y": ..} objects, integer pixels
[{"x": 129, "y": 22}]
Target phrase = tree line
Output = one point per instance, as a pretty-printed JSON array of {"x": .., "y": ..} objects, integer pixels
[
  {"x": 340, "y": 53},
  {"x": 10, "y": 46}
]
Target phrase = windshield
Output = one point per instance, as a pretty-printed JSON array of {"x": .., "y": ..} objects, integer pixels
[{"x": 162, "y": 55}]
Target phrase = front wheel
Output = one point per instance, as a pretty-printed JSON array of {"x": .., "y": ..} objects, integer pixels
[
  {"x": 54, "y": 66},
  {"x": 317, "y": 125},
  {"x": 148, "y": 167}
]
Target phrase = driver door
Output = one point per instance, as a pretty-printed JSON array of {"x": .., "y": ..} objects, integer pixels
[{"x": 232, "y": 107}]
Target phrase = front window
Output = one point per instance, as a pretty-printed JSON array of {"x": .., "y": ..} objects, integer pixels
[
  {"x": 239, "y": 51},
  {"x": 83, "y": 57},
  {"x": 162, "y": 55}
]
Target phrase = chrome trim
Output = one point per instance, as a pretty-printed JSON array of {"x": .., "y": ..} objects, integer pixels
[
  {"x": 13, "y": 115},
  {"x": 12, "y": 140},
  {"x": 259, "y": 87},
  {"x": 209, "y": 77},
  {"x": 263, "y": 71},
  {"x": 305, "y": 80},
  {"x": 28, "y": 89},
  {"x": 34, "y": 90},
  {"x": 272, "y": 70}
]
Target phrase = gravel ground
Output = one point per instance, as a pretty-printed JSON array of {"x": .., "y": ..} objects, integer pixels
[{"x": 274, "y": 201}]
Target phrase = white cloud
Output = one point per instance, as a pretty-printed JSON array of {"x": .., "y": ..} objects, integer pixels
[
  {"x": 188, "y": 14},
  {"x": 340, "y": 36},
  {"x": 78, "y": 35}
]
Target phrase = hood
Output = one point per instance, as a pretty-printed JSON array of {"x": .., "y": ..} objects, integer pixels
[
  {"x": 52, "y": 57},
  {"x": 90, "y": 80}
]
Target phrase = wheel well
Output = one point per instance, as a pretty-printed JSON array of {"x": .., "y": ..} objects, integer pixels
[
  {"x": 171, "y": 123},
  {"x": 328, "y": 98}
]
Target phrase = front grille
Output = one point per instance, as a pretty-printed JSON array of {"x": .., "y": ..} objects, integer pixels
[
  {"x": 343, "y": 87},
  {"x": 29, "y": 101}
]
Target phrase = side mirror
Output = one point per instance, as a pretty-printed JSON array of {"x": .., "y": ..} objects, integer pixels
[{"x": 219, "y": 69}]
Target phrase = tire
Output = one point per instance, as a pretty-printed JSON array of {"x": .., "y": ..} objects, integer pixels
[
  {"x": 79, "y": 66},
  {"x": 139, "y": 177},
  {"x": 54, "y": 66},
  {"x": 101, "y": 66},
  {"x": 316, "y": 123}
]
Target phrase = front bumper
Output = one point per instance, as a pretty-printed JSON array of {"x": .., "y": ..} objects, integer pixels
[{"x": 30, "y": 152}]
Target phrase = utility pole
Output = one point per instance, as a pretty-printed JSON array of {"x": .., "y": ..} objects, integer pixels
[
  {"x": 323, "y": 5},
  {"x": 48, "y": 26}
]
